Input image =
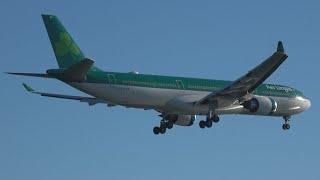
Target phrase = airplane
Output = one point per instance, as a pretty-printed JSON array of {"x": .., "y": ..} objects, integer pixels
[{"x": 178, "y": 100}]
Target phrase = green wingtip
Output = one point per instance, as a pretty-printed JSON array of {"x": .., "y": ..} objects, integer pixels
[
  {"x": 280, "y": 47},
  {"x": 28, "y": 88}
]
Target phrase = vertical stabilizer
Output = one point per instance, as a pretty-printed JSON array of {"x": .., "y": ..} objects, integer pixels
[{"x": 65, "y": 49}]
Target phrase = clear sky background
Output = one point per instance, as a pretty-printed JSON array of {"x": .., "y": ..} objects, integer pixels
[{"x": 49, "y": 139}]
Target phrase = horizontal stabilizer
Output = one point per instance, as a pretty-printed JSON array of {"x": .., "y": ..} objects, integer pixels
[
  {"x": 75, "y": 73},
  {"x": 78, "y": 72},
  {"x": 42, "y": 75}
]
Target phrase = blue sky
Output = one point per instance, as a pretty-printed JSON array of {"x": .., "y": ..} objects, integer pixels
[{"x": 43, "y": 138}]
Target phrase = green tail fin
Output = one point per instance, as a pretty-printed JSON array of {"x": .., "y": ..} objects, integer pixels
[{"x": 65, "y": 49}]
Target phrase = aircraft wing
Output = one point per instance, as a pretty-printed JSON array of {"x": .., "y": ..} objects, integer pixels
[
  {"x": 250, "y": 81},
  {"x": 90, "y": 100}
]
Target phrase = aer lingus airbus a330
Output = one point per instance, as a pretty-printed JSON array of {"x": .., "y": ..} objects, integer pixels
[{"x": 177, "y": 99}]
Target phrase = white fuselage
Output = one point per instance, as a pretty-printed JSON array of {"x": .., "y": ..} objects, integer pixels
[{"x": 179, "y": 101}]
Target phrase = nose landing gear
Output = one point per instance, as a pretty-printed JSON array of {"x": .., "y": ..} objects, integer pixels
[{"x": 286, "y": 125}]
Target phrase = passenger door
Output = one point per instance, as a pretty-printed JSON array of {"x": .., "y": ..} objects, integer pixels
[
  {"x": 180, "y": 84},
  {"x": 111, "y": 79}
]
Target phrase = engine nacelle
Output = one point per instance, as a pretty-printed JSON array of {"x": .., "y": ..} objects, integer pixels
[
  {"x": 261, "y": 105},
  {"x": 181, "y": 120}
]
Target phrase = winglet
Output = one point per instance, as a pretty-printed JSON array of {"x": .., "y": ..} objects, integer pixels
[
  {"x": 280, "y": 47},
  {"x": 28, "y": 88}
]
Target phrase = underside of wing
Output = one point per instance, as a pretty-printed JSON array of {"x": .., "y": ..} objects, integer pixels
[{"x": 90, "y": 100}]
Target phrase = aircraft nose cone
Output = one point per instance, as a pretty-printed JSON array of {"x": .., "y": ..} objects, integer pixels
[{"x": 307, "y": 104}]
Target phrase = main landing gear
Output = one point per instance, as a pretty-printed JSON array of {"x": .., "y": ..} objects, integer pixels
[
  {"x": 211, "y": 117},
  {"x": 164, "y": 125},
  {"x": 286, "y": 125},
  {"x": 209, "y": 121}
]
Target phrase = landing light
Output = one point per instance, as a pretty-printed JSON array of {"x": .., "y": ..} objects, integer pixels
[{"x": 300, "y": 98}]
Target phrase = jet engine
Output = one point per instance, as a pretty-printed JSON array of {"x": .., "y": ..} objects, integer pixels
[
  {"x": 181, "y": 120},
  {"x": 261, "y": 105}
]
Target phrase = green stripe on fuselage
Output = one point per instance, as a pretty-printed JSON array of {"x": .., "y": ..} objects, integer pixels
[{"x": 182, "y": 83}]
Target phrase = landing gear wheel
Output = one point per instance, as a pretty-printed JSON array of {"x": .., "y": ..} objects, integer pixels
[
  {"x": 169, "y": 125},
  {"x": 202, "y": 124},
  {"x": 162, "y": 130},
  {"x": 208, "y": 124},
  {"x": 286, "y": 126},
  {"x": 163, "y": 126},
  {"x": 216, "y": 119},
  {"x": 156, "y": 130}
]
